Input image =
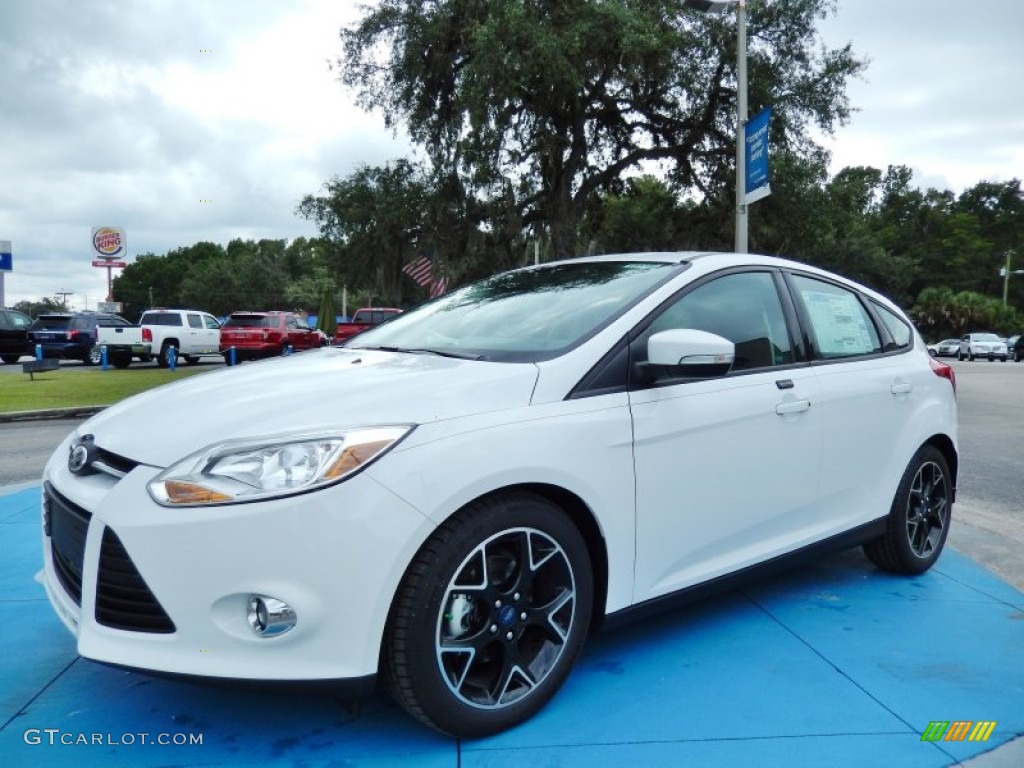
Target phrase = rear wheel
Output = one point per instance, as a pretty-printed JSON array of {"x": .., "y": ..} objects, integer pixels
[
  {"x": 191, "y": 359},
  {"x": 10, "y": 359},
  {"x": 919, "y": 518},
  {"x": 121, "y": 361},
  {"x": 490, "y": 616},
  {"x": 94, "y": 356}
]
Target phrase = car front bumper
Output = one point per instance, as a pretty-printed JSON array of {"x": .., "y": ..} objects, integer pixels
[{"x": 167, "y": 590}]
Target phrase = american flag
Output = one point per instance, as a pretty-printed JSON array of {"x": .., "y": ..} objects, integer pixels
[{"x": 422, "y": 271}]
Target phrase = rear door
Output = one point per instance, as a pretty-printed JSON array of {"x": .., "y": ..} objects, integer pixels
[{"x": 869, "y": 388}]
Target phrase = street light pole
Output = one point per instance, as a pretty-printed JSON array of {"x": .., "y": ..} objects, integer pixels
[
  {"x": 719, "y": 6},
  {"x": 741, "y": 127},
  {"x": 1006, "y": 272}
]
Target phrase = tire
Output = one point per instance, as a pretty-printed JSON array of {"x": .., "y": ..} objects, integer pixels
[
  {"x": 458, "y": 653},
  {"x": 164, "y": 358},
  {"x": 191, "y": 359},
  {"x": 970, "y": 356},
  {"x": 919, "y": 518},
  {"x": 10, "y": 359},
  {"x": 960, "y": 356},
  {"x": 94, "y": 356},
  {"x": 121, "y": 361},
  {"x": 1002, "y": 359}
]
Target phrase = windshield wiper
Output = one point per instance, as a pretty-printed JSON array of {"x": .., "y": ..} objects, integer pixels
[{"x": 426, "y": 351}]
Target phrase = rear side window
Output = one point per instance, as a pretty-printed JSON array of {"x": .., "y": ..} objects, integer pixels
[
  {"x": 840, "y": 325},
  {"x": 195, "y": 321},
  {"x": 898, "y": 329},
  {"x": 161, "y": 318}
]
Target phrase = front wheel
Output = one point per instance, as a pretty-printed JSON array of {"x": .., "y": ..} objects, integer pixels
[
  {"x": 919, "y": 518},
  {"x": 10, "y": 359},
  {"x": 94, "y": 356},
  {"x": 490, "y": 616}
]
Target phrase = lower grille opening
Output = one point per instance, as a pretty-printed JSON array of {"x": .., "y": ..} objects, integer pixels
[
  {"x": 67, "y": 525},
  {"x": 123, "y": 600}
]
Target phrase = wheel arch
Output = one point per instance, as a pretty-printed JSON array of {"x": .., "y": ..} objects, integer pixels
[{"x": 948, "y": 450}]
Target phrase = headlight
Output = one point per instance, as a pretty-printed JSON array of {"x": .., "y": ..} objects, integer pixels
[{"x": 249, "y": 470}]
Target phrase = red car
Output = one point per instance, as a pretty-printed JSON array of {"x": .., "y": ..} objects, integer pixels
[
  {"x": 253, "y": 335},
  {"x": 363, "y": 320}
]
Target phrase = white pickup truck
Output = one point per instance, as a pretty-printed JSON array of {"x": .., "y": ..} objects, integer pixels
[{"x": 189, "y": 332}]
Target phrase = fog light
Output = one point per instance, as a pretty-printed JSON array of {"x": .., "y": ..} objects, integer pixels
[{"x": 269, "y": 616}]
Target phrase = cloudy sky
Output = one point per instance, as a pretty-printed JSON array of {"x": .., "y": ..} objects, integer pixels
[{"x": 186, "y": 120}]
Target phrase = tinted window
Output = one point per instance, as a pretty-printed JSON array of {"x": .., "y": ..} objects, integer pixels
[
  {"x": 840, "y": 326},
  {"x": 52, "y": 322},
  {"x": 898, "y": 329},
  {"x": 251, "y": 321},
  {"x": 211, "y": 322},
  {"x": 161, "y": 318},
  {"x": 743, "y": 308},
  {"x": 195, "y": 321}
]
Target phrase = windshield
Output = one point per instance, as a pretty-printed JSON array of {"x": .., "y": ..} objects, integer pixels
[
  {"x": 523, "y": 316},
  {"x": 986, "y": 337}
]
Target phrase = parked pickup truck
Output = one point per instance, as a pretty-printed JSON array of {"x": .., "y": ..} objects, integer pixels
[
  {"x": 190, "y": 333},
  {"x": 363, "y": 320}
]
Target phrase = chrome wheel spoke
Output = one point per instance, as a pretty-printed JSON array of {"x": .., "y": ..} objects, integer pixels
[{"x": 927, "y": 510}]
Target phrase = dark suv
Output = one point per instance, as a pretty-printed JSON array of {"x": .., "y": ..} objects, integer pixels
[
  {"x": 13, "y": 335},
  {"x": 1015, "y": 348},
  {"x": 70, "y": 335}
]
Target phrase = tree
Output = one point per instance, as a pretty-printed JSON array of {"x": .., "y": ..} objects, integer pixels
[
  {"x": 41, "y": 306},
  {"x": 550, "y": 102}
]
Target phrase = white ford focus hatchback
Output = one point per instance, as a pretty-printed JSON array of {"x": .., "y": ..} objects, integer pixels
[{"x": 455, "y": 499}]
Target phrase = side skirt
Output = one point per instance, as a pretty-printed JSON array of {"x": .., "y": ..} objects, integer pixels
[{"x": 730, "y": 581}]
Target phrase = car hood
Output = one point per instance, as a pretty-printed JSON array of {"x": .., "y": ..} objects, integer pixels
[{"x": 311, "y": 391}]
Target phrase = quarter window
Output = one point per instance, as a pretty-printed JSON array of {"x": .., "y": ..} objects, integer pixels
[
  {"x": 898, "y": 329},
  {"x": 840, "y": 325}
]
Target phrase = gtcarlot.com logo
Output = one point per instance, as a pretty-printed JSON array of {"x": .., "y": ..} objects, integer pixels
[
  {"x": 958, "y": 730},
  {"x": 55, "y": 736}
]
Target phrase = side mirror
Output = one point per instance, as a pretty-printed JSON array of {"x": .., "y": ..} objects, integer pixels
[{"x": 691, "y": 353}]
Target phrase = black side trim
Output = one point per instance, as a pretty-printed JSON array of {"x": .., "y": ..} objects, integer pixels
[
  {"x": 728, "y": 582},
  {"x": 123, "y": 599},
  {"x": 346, "y": 687}
]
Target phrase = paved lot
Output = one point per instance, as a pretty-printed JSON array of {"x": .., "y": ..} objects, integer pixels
[{"x": 833, "y": 664}]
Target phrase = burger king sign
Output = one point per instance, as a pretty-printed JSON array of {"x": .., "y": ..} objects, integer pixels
[{"x": 109, "y": 242}]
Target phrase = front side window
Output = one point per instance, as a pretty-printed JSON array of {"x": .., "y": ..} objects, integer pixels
[
  {"x": 211, "y": 322},
  {"x": 840, "y": 325},
  {"x": 195, "y": 321},
  {"x": 743, "y": 308}
]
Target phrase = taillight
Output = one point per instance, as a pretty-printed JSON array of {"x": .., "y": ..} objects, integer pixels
[
  {"x": 943, "y": 370},
  {"x": 147, "y": 334}
]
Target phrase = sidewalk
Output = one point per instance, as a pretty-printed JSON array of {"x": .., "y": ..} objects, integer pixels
[{"x": 836, "y": 664}]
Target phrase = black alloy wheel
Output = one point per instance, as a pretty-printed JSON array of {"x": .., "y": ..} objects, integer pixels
[
  {"x": 919, "y": 518},
  {"x": 490, "y": 616}
]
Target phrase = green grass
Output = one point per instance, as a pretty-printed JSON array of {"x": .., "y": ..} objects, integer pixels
[{"x": 71, "y": 387}]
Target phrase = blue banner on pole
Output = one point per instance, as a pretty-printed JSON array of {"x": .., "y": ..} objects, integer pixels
[
  {"x": 757, "y": 185},
  {"x": 6, "y": 259}
]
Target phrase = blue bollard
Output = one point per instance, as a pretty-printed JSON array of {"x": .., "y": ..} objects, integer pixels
[
  {"x": 231, "y": 352},
  {"x": 39, "y": 351},
  {"x": 103, "y": 357},
  {"x": 172, "y": 357}
]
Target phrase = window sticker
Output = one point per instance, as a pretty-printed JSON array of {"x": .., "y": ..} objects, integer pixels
[{"x": 839, "y": 323}]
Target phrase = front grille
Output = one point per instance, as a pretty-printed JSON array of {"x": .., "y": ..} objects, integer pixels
[
  {"x": 67, "y": 525},
  {"x": 112, "y": 463},
  {"x": 123, "y": 600}
]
